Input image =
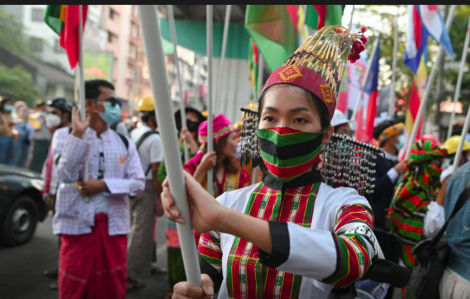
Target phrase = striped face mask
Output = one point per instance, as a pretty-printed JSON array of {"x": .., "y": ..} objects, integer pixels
[{"x": 289, "y": 153}]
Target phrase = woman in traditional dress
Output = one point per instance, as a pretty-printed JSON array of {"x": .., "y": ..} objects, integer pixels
[
  {"x": 417, "y": 211},
  {"x": 228, "y": 175},
  {"x": 291, "y": 236}
]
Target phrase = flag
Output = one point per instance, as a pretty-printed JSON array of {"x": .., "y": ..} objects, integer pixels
[
  {"x": 64, "y": 20},
  {"x": 355, "y": 73},
  {"x": 273, "y": 28},
  {"x": 417, "y": 92},
  {"x": 371, "y": 89},
  {"x": 343, "y": 92},
  {"x": 253, "y": 65},
  {"x": 323, "y": 15},
  {"x": 432, "y": 20},
  {"x": 424, "y": 20},
  {"x": 301, "y": 28}
]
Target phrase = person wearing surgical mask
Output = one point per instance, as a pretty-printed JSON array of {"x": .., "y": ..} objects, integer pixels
[
  {"x": 92, "y": 215},
  {"x": 389, "y": 135},
  {"x": 6, "y": 129}
]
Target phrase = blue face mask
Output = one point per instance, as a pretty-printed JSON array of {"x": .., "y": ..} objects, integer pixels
[
  {"x": 401, "y": 142},
  {"x": 111, "y": 114},
  {"x": 9, "y": 108}
]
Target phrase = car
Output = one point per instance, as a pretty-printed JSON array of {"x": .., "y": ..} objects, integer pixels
[{"x": 21, "y": 204}]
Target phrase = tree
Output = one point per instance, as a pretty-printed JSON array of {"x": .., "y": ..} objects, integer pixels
[
  {"x": 18, "y": 84},
  {"x": 12, "y": 37}
]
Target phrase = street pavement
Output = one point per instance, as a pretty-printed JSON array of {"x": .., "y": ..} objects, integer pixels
[{"x": 21, "y": 267}]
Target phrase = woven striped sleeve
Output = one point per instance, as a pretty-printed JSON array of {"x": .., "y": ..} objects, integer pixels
[
  {"x": 355, "y": 244},
  {"x": 209, "y": 249}
]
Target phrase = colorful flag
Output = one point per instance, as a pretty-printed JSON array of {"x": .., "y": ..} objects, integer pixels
[
  {"x": 417, "y": 92},
  {"x": 424, "y": 20},
  {"x": 432, "y": 20},
  {"x": 371, "y": 89},
  {"x": 321, "y": 15},
  {"x": 274, "y": 30},
  {"x": 64, "y": 20},
  {"x": 301, "y": 28},
  {"x": 253, "y": 65}
]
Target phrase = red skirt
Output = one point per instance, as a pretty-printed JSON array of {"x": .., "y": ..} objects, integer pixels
[{"x": 93, "y": 266}]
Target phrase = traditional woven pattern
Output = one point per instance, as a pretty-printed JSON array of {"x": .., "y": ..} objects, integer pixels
[
  {"x": 246, "y": 276},
  {"x": 352, "y": 249},
  {"x": 413, "y": 194},
  {"x": 391, "y": 131},
  {"x": 288, "y": 153}
]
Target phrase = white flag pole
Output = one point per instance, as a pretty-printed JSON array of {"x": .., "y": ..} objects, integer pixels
[
  {"x": 352, "y": 15},
  {"x": 459, "y": 80},
  {"x": 391, "y": 106},
  {"x": 364, "y": 79},
  {"x": 260, "y": 88},
  {"x": 81, "y": 92},
  {"x": 429, "y": 83},
  {"x": 220, "y": 74},
  {"x": 210, "y": 142},
  {"x": 162, "y": 100},
  {"x": 180, "y": 80}
]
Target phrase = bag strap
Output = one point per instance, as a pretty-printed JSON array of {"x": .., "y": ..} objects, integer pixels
[
  {"x": 148, "y": 169},
  {"x": 460, "y": 202},
  {"x": 143, "y": 137},
  {"x": 124, "y": 140}
]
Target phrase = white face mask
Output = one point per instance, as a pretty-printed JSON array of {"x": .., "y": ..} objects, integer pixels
[
  {"x": 401, "y": 142},
  {"x": 52, "y": 121}
]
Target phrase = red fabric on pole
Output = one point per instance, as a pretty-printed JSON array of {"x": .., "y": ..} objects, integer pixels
[
  {"x": 93, "y": 266},
  {"x": 292, "y": 9},
  {"x": 69, "y": 35},
  {"x": 414, "y": 105},
  {"x": 358, "y": 135},
  {"x": 321, "y": 10},
  {"x": 370, "y": 118}
]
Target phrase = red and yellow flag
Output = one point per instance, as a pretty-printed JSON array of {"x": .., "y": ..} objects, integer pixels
[{"x": 64, "y": 20}]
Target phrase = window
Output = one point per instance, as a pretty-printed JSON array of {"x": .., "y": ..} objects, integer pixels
[
  {"x": 36, "y": 44},
  {"x": 110, "y": 37},
  {"x": 133, "y": 53},
  {"x": 134, "y": 10},
  {"x": 37, "y": 15},
  {"x": 57, "y": 47},
  {"x": 135, "y": 31},
  {"x": 112, "y": 14}
]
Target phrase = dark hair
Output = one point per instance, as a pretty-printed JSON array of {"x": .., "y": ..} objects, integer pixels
[
  {"x": 319, "y": 105},
  {"x": 4, "y": 102},
  {"x": 146, "y": 115},
  {"x": 92, "y": 87}
]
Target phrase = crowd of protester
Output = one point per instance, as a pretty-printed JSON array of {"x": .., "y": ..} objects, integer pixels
[{"x": 107, "y": 223}]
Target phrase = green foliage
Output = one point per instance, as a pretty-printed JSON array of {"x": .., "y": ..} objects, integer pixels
[
  {"x": 11, "y": 33},
  {"x": 18, "y": 84}
]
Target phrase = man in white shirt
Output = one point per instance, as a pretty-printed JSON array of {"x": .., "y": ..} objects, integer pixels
[{"x": 143, "y": 207}]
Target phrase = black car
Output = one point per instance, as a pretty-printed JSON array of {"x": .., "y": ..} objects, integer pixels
[{"x": 21, "y": 204}]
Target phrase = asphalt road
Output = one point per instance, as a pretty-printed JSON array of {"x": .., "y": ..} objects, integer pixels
[{"x": 21, "y": 267}]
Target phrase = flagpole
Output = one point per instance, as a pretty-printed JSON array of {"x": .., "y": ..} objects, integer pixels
[
  {"x": 180, "y": 80},
  {"x": 391, "y": 106},
  {"x": 458, "y": 155},
  {"x": 459, "y": 81},
  {"x": 260, "y": 88},
  {"x": 210, "y": 128},
  {"x": 220, "y": 74},
  {"x": 429, "y": 83},
  {"x": 171, "y": 152},
  {"x": 369, "y": 64},
  {"x": 352, "y": 15},
  {"x": 81, "y": 92}
]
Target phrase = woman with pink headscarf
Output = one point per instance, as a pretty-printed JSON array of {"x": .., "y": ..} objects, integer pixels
[{"x": 228, "y": 175}]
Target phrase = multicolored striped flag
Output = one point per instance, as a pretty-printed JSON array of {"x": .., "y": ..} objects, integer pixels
[
  {"x": 371, "y": 89},
  {"x": 64, "y": 20},
  {"x": 273, "y": 28},
  {"x": 323, "y": 15},
  {"x": 417, "y": 92}
]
